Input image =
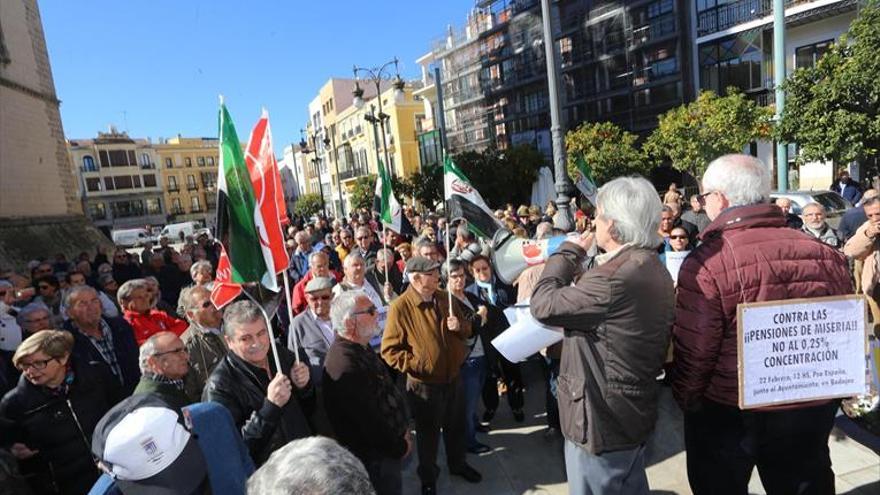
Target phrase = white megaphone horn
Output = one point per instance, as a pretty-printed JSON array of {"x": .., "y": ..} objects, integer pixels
[{"x": 511, "y": 255}]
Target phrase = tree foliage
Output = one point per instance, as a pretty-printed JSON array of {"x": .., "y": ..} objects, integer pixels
[
  {"x": 609, "y": 151},
  {"x": 502, "y": 176},
  {"x": 426, "y": 186},
  {"x": 690, "y": 136},
  {"x": 362, "y": 192},
  {"x": 831, "y": 109},
  {"x": 307, "y": 205}
]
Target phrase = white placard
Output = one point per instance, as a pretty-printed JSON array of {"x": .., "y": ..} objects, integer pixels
[
  {"x": 801, "y": 350},
  {"x": 525, "y": 336},
  {"x": 674, "y": 260}
]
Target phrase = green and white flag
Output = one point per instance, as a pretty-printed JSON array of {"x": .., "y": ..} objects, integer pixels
[
  {"x": 585, "y": 183},
  {"x": 238, "y": 217},
  {"x": 384, "y": 203},
  {"x": 463, "y": 201}
]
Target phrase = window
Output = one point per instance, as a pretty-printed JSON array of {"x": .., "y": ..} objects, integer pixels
[
  {"x": 209, "y": 179},
  {"x": 194, "y": 204},
  {"x": 191, "y": 182},
  {"x": 145, "y": 161},
  {"x": 136, "y": 180},
  {"x": 149, "y": 180},
  {"x": 108, "y": 183},
  {"x": 97, "y": 211},
  {"x": 89, "y": 164},
  {"x": 201, "y": 161},
  {"x": 169, "y": 163},
  {"x": 659, "y": 8},
  {"x": 172, "y": 183},
  {"x": 93, "y": 184},
  {"x": 188, "y": 161},
  {"x": 735, "y": 61},
  {"x": 807, "y": 56},
  {"x": 132, "y": 208},
  {"x": 210, "y": 161},
  {"x": 154, "y": 206},
  {"x": 123, "y": 182},
  {"x": 175, "y": 206}
]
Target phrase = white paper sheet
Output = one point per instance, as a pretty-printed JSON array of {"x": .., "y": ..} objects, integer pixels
[
  {"x": 525, "y": 336},
  {"x": 674, "y": 259}
]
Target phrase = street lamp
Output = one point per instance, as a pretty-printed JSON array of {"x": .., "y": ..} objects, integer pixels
[
  {"x": 376, "y": 75},
  {"x": 311, "y": 146}
]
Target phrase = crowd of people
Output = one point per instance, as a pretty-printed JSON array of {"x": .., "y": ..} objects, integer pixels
[{"x": 390, "y": 348}]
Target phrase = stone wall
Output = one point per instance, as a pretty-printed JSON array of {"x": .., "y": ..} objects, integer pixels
[{"x": 24, "y": 239}]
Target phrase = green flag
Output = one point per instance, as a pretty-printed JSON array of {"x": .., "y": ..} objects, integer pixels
[
  {"x": 236, "y": 208},
  {"x": 585, "y": 182}
]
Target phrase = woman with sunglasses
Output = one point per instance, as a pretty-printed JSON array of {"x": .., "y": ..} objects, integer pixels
[{"x": 53, "y": 412}]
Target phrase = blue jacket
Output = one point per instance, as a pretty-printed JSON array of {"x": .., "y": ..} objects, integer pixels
[
  {"x": 850, "y": 191},
  {"x": 124, "y": 346},
  {"x": 851, "y": 221}
]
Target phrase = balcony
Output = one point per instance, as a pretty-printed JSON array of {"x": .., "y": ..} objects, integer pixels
[
  {"x": 192, "y": 187},
  {"x": 173, "y": 188},
  {"x": 726, "y": 16},
  {"x": 148, "y": 166},
  {"x": 353, "y": 173},
  {"x": 657, "y": 29}
]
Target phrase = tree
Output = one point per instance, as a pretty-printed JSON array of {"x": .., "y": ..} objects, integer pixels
[
  {"x": 307, "y": 205},
  {"x": 502, "y": 177},
  {"x": 426, "y": 186},
  {"x": 362, "y": 192},
  {"x": 609, "y": 151},
  {"x": 832, "y": 110},
  {"x": 692, "y": 135}
]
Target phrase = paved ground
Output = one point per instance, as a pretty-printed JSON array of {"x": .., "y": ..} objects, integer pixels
[{"x": 525, "y": 462}]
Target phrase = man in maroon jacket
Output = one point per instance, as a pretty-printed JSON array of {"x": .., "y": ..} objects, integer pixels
[{"x": 747, "y": 255}]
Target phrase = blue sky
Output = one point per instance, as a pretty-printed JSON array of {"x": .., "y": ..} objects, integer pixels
[{"x": 155, "y": 68}]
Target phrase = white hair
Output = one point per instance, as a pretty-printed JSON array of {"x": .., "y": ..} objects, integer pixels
[
  {"x": 342, "y": 308},
  {"x": 200, "y": 266},
  {"x": 311, "y": 466},
  {"x": 351, "y": 258},
  {"x": 632, "y": 205},
  {"x": 743, "y": 179},
  {"x": 148, "y": 350}
]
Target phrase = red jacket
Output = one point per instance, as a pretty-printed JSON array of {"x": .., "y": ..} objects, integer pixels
[
  {"x": 747, "y": 255},
  {"x": 147, "y": 325},
  {"x": 299, "y": 291}
]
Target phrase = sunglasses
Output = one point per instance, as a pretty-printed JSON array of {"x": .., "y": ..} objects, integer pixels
[
  {"x": 702, "y": 197},
  {"x": 678, "y": 237},
  {"x": 369, "y": 311}
]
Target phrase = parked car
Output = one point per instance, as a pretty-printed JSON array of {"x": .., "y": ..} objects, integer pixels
[
  {"x": 173, "y": 231},
  {"x": 834, "y": 203},
  {"x": 131, "y": 237}
]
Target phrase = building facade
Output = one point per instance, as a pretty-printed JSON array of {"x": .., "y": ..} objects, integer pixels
[
  {"x": 119, "y": 183},
  {"x": 188, "y": 168},
  {"x": 734, "y": 47}
]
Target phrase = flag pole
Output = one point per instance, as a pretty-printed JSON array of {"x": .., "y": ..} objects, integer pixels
[
  {"x": 446, "y": 235},
  {"x": 290, "y": 316},
  {"x": 269, "y": 329}
]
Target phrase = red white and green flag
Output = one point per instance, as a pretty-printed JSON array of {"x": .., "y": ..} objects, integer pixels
[
  {"x": 238, "y": 219},
  {"x": 269, "y": 196}
]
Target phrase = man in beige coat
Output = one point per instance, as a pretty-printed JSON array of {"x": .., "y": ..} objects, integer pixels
[{"x": 863, "y": 246}]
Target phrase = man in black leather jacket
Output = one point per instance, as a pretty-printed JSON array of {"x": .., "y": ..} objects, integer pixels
[{"x": 269, "y": 406}]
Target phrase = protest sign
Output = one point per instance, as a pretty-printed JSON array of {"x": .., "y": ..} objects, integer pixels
[{"x": 801, "y": 350}]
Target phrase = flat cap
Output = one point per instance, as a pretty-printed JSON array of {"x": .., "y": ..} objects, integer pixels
[
  {"x": 319, "y": 283},
  {"x": 420, "y": 264}
]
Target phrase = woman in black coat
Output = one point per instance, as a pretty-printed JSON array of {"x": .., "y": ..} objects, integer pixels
[{"x": 50, "y": 415}]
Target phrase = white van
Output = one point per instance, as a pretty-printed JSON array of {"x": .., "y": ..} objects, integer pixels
[
  {"x": 173, "y": 230},
  {"x": 131, "y": 237}
]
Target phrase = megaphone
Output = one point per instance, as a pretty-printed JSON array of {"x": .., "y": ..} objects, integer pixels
[{"x": 511, "y": 255}]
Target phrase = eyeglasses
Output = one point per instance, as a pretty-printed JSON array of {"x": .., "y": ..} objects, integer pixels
[
  {"x": 172, "y": 351},
  {"x": 325, "y": 297},
  {"x": 369, "y": 311},
  {"x": 702, "y": 197},
  {"x": 37, "y": 365},
  {"x": 678, "y": 237}
]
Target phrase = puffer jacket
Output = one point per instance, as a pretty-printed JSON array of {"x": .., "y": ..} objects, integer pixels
[
  {"x": 747, "y": 255},
  {"x": 241, "y": 388},
  {"x": 616, "y": 319},
  {"x": 60, "y": 427}
]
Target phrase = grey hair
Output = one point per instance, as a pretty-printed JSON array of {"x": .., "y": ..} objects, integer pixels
[
  {"x": 30, "y": 309},
  {"x": 544, "y": 230},
  {"x": 421, "y": 242},
  {"x": 463, "y": 232},
  {"x": 187, "y": 295},
  {"x": 743, "y": 179},
  {"x": 74, "y": 292},
  {"x": 317, "y": 254},
  {"x": 871, "y": 201},
  {"x": 311, "y": 466},
  {"x": 632, "y": 205},
  {"x": 813, "y": 205},
  {"x": 351, "y": 258},
  {"x": 123, "y": 295},
  {"x": 148, "y": 350},
  {"x": 364, "y": 230},
  {"x": 342, "y": 308},
  {"x": 240, "y": 313},
  {"x": 385, "y": 253},
  {"x": 300, "y": 236},
  {"x": 199, "y": 266}
]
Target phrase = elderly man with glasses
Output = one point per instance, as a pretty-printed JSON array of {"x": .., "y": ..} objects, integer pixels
[
  {"x": 203, "y": 338},
  {"x": 163, "y": 362}
]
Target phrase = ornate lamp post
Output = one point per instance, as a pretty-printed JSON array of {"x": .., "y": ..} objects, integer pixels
[
  {"x": 376, "y": 75},
  {"x": 311, "y": 146}
]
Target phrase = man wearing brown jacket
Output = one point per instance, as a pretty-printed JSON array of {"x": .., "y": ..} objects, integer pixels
[
  {"x": 427, "y": 343},
  {"x": 616, "y": 318}
]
